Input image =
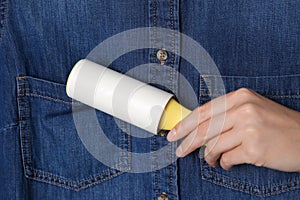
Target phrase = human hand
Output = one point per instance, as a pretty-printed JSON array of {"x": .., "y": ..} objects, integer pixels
[{"x": 242, "y": 127}]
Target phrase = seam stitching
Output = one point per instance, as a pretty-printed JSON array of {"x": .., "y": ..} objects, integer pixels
[
  {"x": 155, "y": 60},
  {"x": 41, "y": 177},
  {"x": 172, "y": 85},
  {"x": 27, "y": 124},
  {"x": 53, "y": 99},
  {"x": 264, "y": 189},
  {"x": 79, "y": 182},
  {"x": 172, "y": 26},
  {"x": 21, "y": 91}
]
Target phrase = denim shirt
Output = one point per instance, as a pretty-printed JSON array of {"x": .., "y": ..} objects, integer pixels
[{"x": 254, "y": 44}]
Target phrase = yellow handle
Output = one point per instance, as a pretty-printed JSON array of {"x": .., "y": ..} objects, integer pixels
[{"x": 173, "y": 113}]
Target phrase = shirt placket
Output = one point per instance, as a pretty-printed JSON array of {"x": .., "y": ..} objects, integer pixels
[{"x": 164, "y": 14}]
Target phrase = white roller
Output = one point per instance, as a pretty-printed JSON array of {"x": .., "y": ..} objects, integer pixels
[{"x": 117, "y": 94}]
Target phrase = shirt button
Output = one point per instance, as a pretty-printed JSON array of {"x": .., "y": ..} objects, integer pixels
[
  {"x": 163, "y": 196},
  {"x": 162, "y": 133},
  {"x": 162, "y": 55}
]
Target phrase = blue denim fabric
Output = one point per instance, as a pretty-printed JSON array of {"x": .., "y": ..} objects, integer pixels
[{"x": 255, "y": 44}]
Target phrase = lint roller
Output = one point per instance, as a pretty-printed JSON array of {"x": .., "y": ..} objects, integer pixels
[{"x": 123, "y": 97}]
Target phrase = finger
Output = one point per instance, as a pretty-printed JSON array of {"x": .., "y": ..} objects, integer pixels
[
  {"x": 221, "y": 144},
  {"x": 197, "y": 116},
  {"x": 219, "y": 105},
  {"x": 204, "y": 132},
  {"x": 232, "y": 157},
  {"x": 208, "y": 146},
  {"x": 211, "y": 127}
]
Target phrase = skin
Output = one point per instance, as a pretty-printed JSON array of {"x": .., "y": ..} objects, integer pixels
[{"x": 242, "y": 127}]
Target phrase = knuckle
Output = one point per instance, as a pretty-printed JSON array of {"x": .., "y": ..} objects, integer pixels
[
  {"x": 252, "y": 153},
  {"x": 192, "y": 144},
  {"x": 259, "y": 163},
  {"x": 252, "y": 136},
  {"x": 202, "y": 131},
  {"x": 208, "y": 158},
  {"x": 244, "y": 93},
  {"x": 226, "y": 160},
  {"x": 212, "y": 153},
  {"x": 251, "y": 131},
  {"x": 203, "y": 110},
  {"x": 249, "y": 109},
  {"x": 198, "y": 135},
  {"x": 252, "y": 143}
]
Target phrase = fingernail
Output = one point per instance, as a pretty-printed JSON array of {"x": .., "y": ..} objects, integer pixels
[
  {"x": 179, "y": 151},
  {"x": 172, "y": 134}
]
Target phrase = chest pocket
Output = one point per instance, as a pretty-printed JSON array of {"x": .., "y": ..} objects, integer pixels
[
  {"x": 51, "y": 148},
  {"x": 250, "y": 179}
]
